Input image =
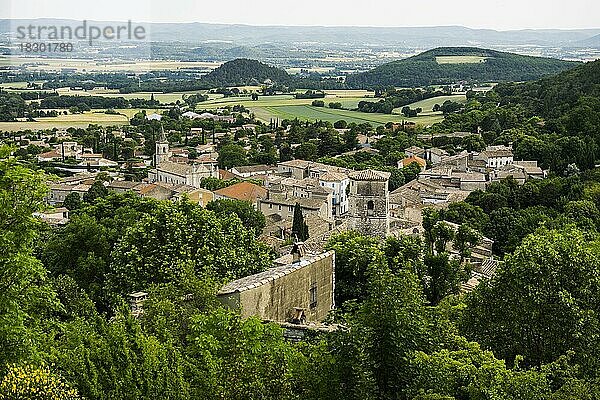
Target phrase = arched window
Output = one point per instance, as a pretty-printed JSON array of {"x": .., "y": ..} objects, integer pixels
[{"x": 370, "y": 207}]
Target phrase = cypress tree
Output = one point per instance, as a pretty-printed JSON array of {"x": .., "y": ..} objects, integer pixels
[{"x": 299, "y": 227}]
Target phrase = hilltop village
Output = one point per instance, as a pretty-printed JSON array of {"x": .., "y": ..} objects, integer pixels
[
  {"x": 251, "y": 240},
  {"x": 329, "y": 199}
]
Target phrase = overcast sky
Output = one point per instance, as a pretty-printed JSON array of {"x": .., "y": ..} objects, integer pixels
[{"x": 494, "y": 14}]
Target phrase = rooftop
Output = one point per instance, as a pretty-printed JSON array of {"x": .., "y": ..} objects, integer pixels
[
  {"x": 370, "y": 175},
  {"x": 265, "y": 277},
  {"x": 243, "y": 191}
]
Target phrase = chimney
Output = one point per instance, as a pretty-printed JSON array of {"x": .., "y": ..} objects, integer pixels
[{"x": 298, "y": 252}]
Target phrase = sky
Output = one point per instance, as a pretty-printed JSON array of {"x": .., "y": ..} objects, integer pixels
[{"x": 491, "y": 14}]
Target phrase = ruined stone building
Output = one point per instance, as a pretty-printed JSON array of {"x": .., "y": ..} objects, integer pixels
[{"x": 298, "y": 289}]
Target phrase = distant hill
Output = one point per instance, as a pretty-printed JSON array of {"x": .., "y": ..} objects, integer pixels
[
  {"x": 244, "y": 71},
  {"x": 412, "y": 37},
  {"x": 593, "y": 42},
  {"x": 556, "y": 96},
  {"x": 451, "y": 64}
]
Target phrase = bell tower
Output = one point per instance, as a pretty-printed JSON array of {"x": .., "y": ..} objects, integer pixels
[
  {"x": 162, "y": 152},
  {"x": 368, "y": 203}
]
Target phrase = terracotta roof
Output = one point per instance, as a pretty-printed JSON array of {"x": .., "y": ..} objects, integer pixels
[
  {"x": 175, "y": 168},
  {"x": 414, "y": 159},
  {"x": 50, "y": 154},
  {"x": 415, "y": 150},
  {"x": 243, "y": 191},
  {"x": 276, "y": 198},
  {"x": 295, "y": 163},
  {"x": 370, "y": 175},
  {"x": 333, "y": 177}
]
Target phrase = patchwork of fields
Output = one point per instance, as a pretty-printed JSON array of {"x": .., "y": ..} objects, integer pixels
[{"x": 265, "y": 108}]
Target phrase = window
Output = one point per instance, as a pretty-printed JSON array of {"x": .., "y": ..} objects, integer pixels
[
  {"x": 370, "y": 207},
  {"x": 280, "y": 208},
  {"x": 313, "y": 295}
]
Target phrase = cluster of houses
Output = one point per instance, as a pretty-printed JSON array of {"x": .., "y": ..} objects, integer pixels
[
  {"x": 448, "y": 178},
  {"x": 300, "y": 286},
  {"x": 73, "y": 150}
]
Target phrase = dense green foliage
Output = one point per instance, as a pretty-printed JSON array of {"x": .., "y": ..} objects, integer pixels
[
  {"x": 424, "y": 70},
  {"x": 241, "y": 72}
]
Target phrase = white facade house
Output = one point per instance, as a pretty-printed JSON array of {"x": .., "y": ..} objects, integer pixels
[
  {"x": 338, "y": 183},
  {"x": 496, "y": 156}
]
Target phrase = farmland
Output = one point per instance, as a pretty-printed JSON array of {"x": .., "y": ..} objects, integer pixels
[
  {"x": 460, "y": 59},
  {"x": 284, "y": 106},
  {"x": 84, "y": 65},
  {"x": 288, "y": 107},
  {"x": 427, "y": 104},
  {"x": 67, "y": 121}
]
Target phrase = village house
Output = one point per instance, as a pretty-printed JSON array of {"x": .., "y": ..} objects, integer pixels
[
  {"x": 338, "y": 183},
  {"x": 496, "y": 156},
  {"x": 48, "y": 156},
  {"x": 245, "y": 191},
  {"x": 283, "y": 205},
  {"x": 521, "y": 171},
  {"x": 56, "y": 216},
  {"x": 59, "y": 191},
  {"x": 405, "y": 162}
]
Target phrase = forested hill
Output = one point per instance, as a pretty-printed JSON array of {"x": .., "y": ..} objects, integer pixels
[
  {"x": 446, "y": 65},
  {"x": 245, "y": 72},
  {"x": 554, "y": 96}
]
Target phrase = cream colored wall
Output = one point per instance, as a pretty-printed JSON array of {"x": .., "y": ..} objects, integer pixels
[{"x": 277, "y": 300}]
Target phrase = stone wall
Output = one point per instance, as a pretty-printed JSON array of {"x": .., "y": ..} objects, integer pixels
[{"x": 278, "y": 299}]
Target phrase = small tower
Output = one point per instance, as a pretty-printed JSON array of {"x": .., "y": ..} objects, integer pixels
[
  {"x": 368, "y": 203},
  {"x": 162, "y": 148}
]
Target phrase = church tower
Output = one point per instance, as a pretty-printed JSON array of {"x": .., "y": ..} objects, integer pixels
[
  {"x": 161, "y": 153},
  {"x": 368, "y": 203}
]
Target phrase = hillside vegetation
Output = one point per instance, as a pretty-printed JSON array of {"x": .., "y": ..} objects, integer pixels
[
  {"x": 426, "y": 69},
  {"x": 242, "y": 71}
]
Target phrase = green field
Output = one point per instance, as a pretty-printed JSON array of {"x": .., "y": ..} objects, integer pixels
[
  {"x": 427, "y": 104},
  {"x": 310, "y": 113},
  {"x": 67, "y": 121},
  {"x": 288, "y": 107},
  {"x": 264, "y": 109},
  {"x": 460, "y": 59}
]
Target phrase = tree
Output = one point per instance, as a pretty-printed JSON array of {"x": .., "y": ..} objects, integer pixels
[
  {"x": 299, "y": 226},
  {"x": 392, "y": 321},
  {"x": 306, "y": 151},
  {"x": 72, "y": 201},
  {"x": 353, "y": 255},
  {"x": 25, "y": 296},
  {"x": 183, "y": 239},
  {"x": 240, "y": 358},
  {"x": 232, "y": 155},
  {"x": 96, "y": 191},
  {"x": 251, "y": 218},
  {"x": 542, "y": 302},
  {"x": 442, "y": 275}
]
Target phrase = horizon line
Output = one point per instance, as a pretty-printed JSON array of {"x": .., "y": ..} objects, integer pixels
[{"x": 301, "y": 25}]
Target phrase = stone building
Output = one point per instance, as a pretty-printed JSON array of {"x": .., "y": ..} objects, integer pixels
[
  {"x": 369, "y": 203},
  {"x": 299, "y": 290},
  {"x": 178, "y": 173}
]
